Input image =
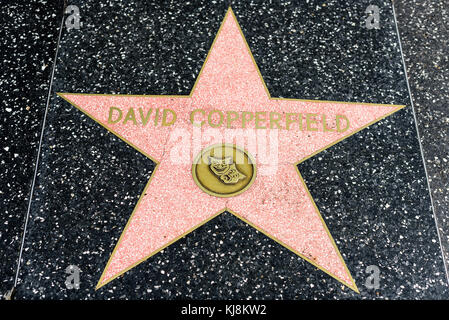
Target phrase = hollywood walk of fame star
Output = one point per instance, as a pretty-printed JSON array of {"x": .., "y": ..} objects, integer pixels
[{"x": 279, "y": 205}]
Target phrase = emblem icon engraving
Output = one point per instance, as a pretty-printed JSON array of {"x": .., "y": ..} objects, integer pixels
[{"x": 224, "y": 170}]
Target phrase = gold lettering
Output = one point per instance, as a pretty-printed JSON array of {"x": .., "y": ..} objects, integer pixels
[
  {"x": 342, "y": 117},
  {"x": 230, "y": 119},
  {"x": 111, "y": 110},
  {"x": 156, "y": 118},
  {"x": 164, "y": 117},
  {"x": 146, "y": 118},
  {"x": 274, "y": 121},
  {"x": 310, "y": 119},
  {"x": 258, "y": 120},
  {"x": 289, "y": 120},
  {"x": 245, "y": 119},
  {"x": 209, "y": 118},
  {"x": 192, "y": 117},
  {"x": 130, "y": 116},
  {"x": 325, "y": 127}
]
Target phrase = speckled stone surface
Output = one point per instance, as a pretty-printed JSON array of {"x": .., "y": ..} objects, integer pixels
[
  {"x": 371, "y": 188},
  {"x": 28, "y": 34},
  {"x": 425, "y": 41}
]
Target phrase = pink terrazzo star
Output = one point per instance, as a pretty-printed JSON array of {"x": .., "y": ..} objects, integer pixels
[{"x": 277, "y": 204}]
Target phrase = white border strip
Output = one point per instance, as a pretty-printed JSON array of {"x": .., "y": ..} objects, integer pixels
[{"x": 419, "y": 141}]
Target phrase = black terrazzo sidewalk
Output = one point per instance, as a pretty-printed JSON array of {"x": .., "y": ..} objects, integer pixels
[
  {"x": 425, "y": 39},
  {"x": 29, "y": 33},
  {"x": 371, "y": 188}
]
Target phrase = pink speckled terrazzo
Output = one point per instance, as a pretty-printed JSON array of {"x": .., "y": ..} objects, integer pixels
[{"x": 278, "y": 203}]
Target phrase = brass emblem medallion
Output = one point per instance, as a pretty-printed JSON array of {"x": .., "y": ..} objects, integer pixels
[{"x": 224, "y": 170}]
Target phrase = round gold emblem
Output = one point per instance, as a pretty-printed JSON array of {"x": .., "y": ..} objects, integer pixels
[{"x": 224, "y": 170}]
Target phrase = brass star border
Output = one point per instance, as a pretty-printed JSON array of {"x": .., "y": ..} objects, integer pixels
[{"x": 353, "y": 285}]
